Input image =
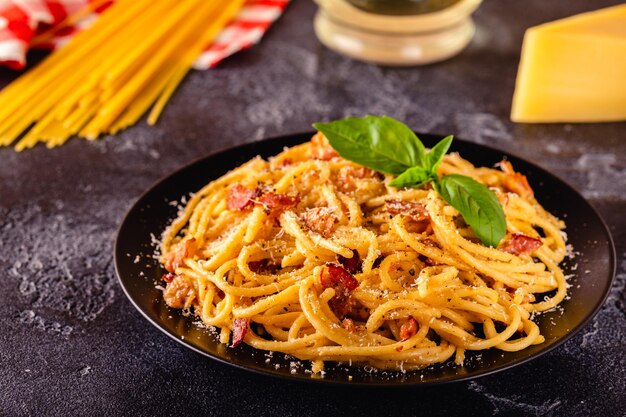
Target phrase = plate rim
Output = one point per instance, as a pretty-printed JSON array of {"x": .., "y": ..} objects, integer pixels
[{"x": 612, "y": 269}]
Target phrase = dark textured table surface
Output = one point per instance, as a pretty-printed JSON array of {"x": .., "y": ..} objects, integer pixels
[{"x": 72, "y": 344}]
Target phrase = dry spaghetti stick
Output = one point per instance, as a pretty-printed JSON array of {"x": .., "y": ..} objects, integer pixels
[
  {"x": 146, "y": 46},
  {"x": 165, "y": 94},
  {"x": 44, "y": 75},
  {"x": 66, "y": 84},
  {"x": 184, "y": 67},
  {"x": 112, "y": 109},
  {"x": 28, "y": 108},
  {"x": 142, "y": 102},
  {"x": 117, "y": 49},
  {"x": 43, "y": 105},
  {"x": 86, "y": 89}
]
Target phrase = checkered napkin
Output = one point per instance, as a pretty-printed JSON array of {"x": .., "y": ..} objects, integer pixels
[{"x": 22, "y": 20}]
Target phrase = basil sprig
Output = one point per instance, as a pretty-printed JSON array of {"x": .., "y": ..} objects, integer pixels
[{"x": 387, "y": 145}]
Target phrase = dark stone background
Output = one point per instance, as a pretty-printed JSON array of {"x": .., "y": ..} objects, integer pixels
[{"x": 72, "y": 344}]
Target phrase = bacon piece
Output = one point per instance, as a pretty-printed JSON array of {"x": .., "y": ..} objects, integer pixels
[
  {"x": 321, "y": 220},
  {"x": 514, "y": 181},
  {"x": 348, "y": 324},
  {"x": 264, "y": 266},
  {"x": 408, "y": 328},
  {"x": 169, "y": 277},
  {"x": 342, "y": 281},
  {"x": 177, "y": 256},
  {"x": 334, "y": 275},
  {"x": 519, "y": 244},
  {"x": 503, "y": 198},
  {"x": 274, "y": 201},
  {"x": 178, "y": 293},
  {"x": 321, "y": 149},
  {"x": 347, "y": 175},
  {"x": 309, "y": 179},
  {"x": 352, "y": 265},
  {"x": 241, "y": 198},
  {"x": 341, "y": 303},
  {"x": 240, "y": 328},
  {"x": 415, "y": 211}
]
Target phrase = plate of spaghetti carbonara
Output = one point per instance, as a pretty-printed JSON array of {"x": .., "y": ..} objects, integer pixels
[{"x": 288, "y": 258}]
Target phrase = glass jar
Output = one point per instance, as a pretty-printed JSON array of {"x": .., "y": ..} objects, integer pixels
[{"x": 396, "y": 32}]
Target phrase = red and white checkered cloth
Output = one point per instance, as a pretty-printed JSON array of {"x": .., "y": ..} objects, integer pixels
[{"x": 22, "y": 20}]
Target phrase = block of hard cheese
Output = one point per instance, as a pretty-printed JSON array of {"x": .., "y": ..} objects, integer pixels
[{"x": 573, "y": 70}]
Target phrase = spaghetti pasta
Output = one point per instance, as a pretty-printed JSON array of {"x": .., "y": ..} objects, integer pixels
[{"x": 317, "y": 257}]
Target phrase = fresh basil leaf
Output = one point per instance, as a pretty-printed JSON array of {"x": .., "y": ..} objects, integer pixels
[
  {"x": 478, "y": 205},
  {"x": 434, "y": 157},
  {"x": 412, "y": 178},
  {"x": 380, "y": 143}
]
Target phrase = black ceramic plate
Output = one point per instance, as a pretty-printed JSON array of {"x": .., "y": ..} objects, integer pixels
[{"x": 591, "y": 271}]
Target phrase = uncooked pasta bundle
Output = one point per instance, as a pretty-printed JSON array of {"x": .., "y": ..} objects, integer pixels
[{"x": 108, "y": 76}]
